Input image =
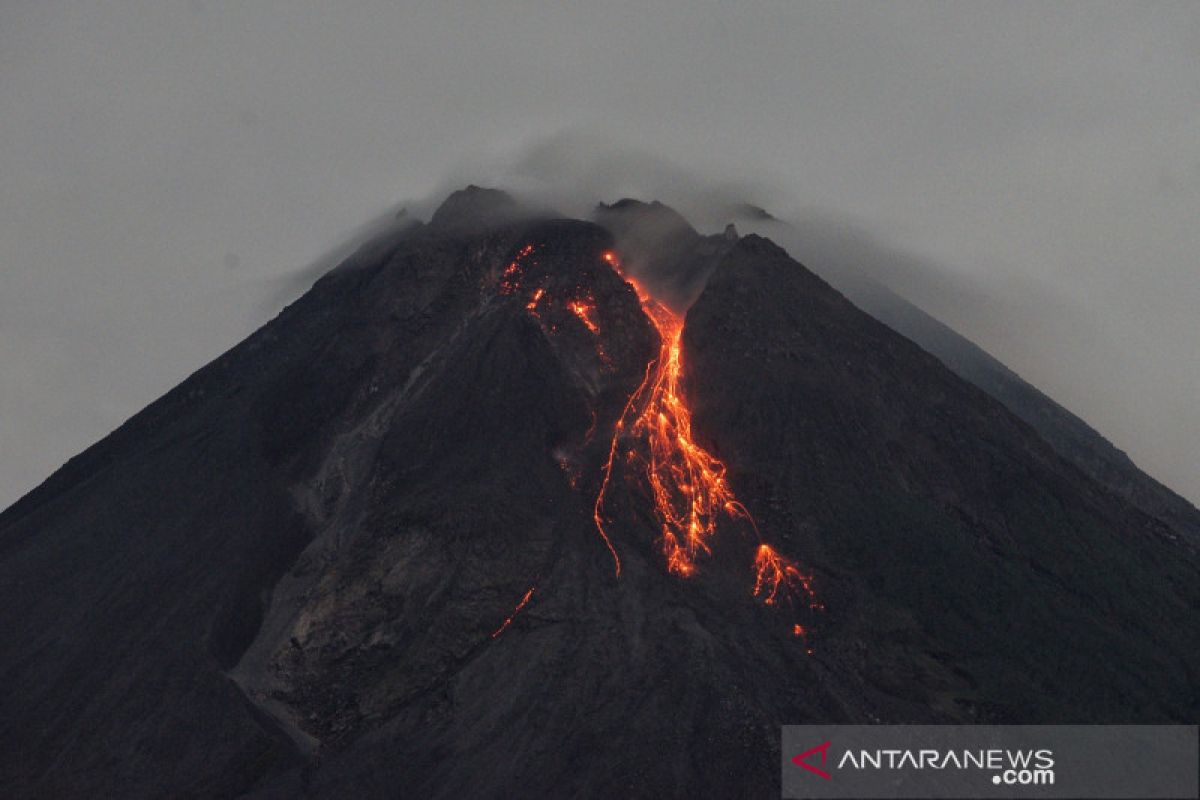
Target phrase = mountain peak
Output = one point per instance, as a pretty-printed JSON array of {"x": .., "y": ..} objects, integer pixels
[
  {"x": 474, "y": 208},
  {"x": 651, "y": 223},
  {"x": 750, "y": 211},
  {"x": 481, "y": 486}
]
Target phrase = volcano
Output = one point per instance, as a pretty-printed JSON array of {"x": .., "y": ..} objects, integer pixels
[{"x": 515, "y": 505}]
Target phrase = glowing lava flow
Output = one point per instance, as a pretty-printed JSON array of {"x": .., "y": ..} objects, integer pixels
[
  {"x": 654, "y": 435},
  {"x": 687, "y": 483},
  {"x": 517, "y": 610},
  {"x": 773, "y": 573},
  {"x": 583, "y": 309},
  {"x": 510, "y": 278},
  {"x": 597, "y": 509}
]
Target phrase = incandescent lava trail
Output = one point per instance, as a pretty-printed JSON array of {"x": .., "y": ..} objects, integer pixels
[
  {"x": 687, "y": 484},
  {"x": 520, "y": 605},
  {"x": 653, "y": 438}
]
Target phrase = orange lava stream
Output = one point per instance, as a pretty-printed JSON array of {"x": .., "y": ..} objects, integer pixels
[
  {"x": 597, "y": 509},
  {"x": 517, "y": 610},
  {"x": 775, "y": 573},
  {"x": 583, "y": 310},
  {"x": 510, "y": 278},
  {"x": 687, "y": 483}
]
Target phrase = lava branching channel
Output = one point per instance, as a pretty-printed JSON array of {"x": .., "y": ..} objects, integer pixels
[
  {"x": 653, "y": 436},
  {"x": 688, "y": 484}
]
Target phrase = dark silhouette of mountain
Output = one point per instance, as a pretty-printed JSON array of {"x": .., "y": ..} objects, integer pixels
[
  {"x": 1069, "y": 435},
  {"x": 851, "y": 261},
  {"x": 358, "y": 554}
]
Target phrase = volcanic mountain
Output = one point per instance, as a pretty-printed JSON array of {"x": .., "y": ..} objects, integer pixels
[
  {"x": 512, "y": 505},
  {"x": 841, "y": 254}
]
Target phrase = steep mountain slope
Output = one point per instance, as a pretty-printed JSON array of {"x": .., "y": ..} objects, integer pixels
[
  {"x": 949, "y": 520},
  {"x": 858, "y": 266},
  {"x": 358, "y": 555},
  {"x": 1070, "y": 436}
]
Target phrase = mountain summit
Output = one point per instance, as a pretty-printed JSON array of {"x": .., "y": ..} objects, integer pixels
[{"x": 515, "y": 505}]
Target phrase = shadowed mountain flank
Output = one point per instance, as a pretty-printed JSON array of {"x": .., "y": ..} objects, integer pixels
[{"x": 413, "y": 537}]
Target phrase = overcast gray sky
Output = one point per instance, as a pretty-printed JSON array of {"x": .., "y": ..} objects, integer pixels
[{"x": 165, "y": 166}]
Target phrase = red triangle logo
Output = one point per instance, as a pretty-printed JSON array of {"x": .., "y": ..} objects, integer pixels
[{"x": 823, "y": 749}]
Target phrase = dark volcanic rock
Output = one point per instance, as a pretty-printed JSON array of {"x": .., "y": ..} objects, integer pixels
[
  {"x": 1069, "y": 435},
  {"x": 296, "y": 573},
  {"x": 475, "y": 209},
  {"x": 855, "y": 265},
  {"x": 661, "y": 249},
  {"x": 975, "y": 572}
]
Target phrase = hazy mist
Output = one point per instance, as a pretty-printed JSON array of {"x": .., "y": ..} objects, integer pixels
[{"x": 174, "y": 171}]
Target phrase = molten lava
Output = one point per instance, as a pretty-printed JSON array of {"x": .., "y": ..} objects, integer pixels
[
  {"x": 597, "y": 509},
  {"x": 687, "y": 484},
  {"x": 510, "y": 278},
  {"x": 653, "y": 436},
  {"x": 508, "y": 621},
  {"x": 774, "y": 573},
  {"x": 585, "y": 309}
]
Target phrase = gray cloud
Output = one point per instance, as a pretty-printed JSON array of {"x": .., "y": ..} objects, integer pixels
[{"x": 168, "y": 166}]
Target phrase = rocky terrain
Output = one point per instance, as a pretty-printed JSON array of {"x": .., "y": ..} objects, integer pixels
[{"x": 358, "y": 554}]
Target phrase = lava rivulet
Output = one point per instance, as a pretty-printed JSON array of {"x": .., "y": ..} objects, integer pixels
[
  {"x": 508, "y": 621},
  {"x": 687, "y": 484},
  {"x": 584, "y": 309},
  {"x": 775, "y": 573},
  {"x": 653, "y": 437},
  {"x": 597, "y": 509},
  {"x": 510, "y": 278}
]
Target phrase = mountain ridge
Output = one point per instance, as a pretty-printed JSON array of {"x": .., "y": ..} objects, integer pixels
[
  {"x": 359, "y": 554},
  {"x": 858, "y": 266}
]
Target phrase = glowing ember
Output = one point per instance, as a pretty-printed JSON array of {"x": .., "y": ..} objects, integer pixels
[
  {"x": 774, "y": 573},
  {"x": 517, "y": 610},
  {"x": 510, "y": 278},
  {"x": 584, "y": 310},
  {"x": 591, "y": 431},
  {"x": 533, "y": 301}
]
